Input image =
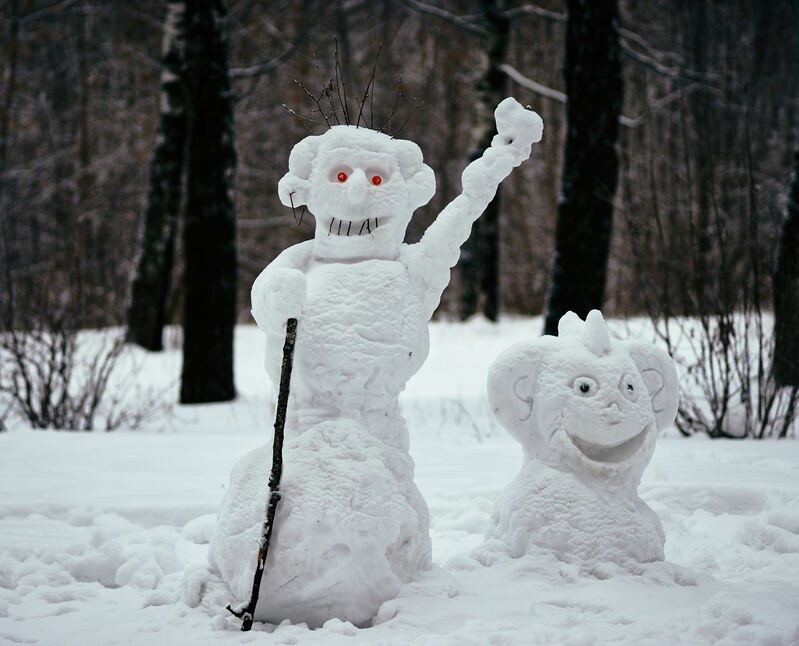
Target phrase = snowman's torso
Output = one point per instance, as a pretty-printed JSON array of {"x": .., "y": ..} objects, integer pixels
[
  {"x": 361, "y": 336},
  {"x": 557, "y": 510}
]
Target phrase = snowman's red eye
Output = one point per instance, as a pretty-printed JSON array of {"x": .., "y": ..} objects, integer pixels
[
  {"x": 342, "y": 177},
  {"x": 377, "y": 180}
]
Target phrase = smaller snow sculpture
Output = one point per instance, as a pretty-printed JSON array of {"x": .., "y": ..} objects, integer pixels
[
  {"x": 587, "y": 411},
  {"x": 352, "y": 526}
]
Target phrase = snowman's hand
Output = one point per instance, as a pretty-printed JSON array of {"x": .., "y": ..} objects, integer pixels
[
  {"x": 518, "y": 129},
  {"x": 279, "y": 297}
]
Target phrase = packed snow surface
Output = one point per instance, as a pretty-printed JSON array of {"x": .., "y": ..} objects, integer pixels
[
  {"x": 352, "y": 526},
  {"x": 587, "y": 411},
  {"x": 104, "y": 536}
]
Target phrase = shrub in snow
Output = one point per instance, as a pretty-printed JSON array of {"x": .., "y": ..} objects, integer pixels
[
  {"x": 352, "y": 526},
  {"x": 54, "y": 377},
  {"x": 587, "y": 411}
]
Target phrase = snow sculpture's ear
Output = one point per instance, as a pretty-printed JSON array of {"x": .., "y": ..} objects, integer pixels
[
  {"x": 511, "y": 385},
  {"x": 294, "y": 186},
  {"x": 419, "y": 177},
  {"x": 660, "y": 376}
]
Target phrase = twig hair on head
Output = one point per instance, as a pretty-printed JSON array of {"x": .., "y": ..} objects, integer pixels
[{"x": 331, "y": 105}]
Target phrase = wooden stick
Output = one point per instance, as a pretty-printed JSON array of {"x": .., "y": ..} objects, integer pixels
[{"x": 246, "y": 614}]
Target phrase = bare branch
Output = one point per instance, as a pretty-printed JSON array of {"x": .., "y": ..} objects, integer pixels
[
  {"x": 266, "y": 66},
  {"x": 467, "y": 23},
  {"x": 294, "y": 113},
  {"x": 369, "y": 86},
  {"x": 530, "y": 84},
  {"x": 644, "y": 44},
  {"x": 45, "y": 11},
  {"x": 650, "y": 61},
  {"x": 659, "y": 104},
  {"x": 341, "y": 88},
  {"x": 627, "y": 122},
  {"x": 255, "y": 71},
  {"x": 535, "y": 10}
]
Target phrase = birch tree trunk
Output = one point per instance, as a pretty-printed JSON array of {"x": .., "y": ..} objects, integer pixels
[{"x": 150, "y": 291}]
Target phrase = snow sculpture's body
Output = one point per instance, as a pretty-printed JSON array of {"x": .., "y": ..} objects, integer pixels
[
  {"x": 587, "y": 411},
  {"x": 351, "y": 526}
]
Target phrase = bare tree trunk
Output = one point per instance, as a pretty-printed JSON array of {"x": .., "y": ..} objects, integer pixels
[
  {"x": 147, "y": 312},
  {"x": 6, "y": 190},
  {"x": 786, "y": 290},
  {"x": 585, "y": 212},
  {"x": 210, "y": 231},
  {"x": 480, "y": 256}
]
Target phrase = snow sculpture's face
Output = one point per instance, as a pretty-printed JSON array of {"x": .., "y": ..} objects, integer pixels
[
  {"x": 581, "y": 402},
  {"x": 591, "y": 409},
  {"x": 361, "y": 187}
]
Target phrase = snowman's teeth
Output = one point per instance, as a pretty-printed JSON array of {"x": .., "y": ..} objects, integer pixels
[{"x": 337, "y": 227}]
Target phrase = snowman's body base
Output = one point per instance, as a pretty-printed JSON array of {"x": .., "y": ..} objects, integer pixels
[{"x": 350, "y": 529}]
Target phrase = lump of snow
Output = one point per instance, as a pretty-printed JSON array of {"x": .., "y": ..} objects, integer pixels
[{"x": 587, "y": 411}]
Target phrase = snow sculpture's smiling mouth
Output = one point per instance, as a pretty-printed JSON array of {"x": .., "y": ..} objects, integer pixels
[
  {"x": 340, "y": 227},
  {"x": 603, "y": 453}
]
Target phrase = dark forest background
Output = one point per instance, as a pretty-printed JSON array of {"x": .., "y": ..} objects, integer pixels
[{"x": 706, "y": 138}]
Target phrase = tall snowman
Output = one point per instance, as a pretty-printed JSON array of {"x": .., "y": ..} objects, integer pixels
[{"x": 352, "y": 527}]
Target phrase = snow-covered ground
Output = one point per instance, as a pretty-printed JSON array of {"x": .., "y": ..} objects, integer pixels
[{"x": 103, "y": 536}]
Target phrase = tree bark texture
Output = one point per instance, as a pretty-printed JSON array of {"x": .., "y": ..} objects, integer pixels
[
  {"x": 210, "y": 223},
  {"x": 786, "y": 290},
  {"x": 147, "y": 312},
  {"x": 480, "y": 257},
  {"x": 585, "y": 211}
]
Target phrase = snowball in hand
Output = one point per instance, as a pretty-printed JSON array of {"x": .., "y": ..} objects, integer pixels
[
  {"x": 351, "y": 526},
  {"x": 586, "y": 410}
]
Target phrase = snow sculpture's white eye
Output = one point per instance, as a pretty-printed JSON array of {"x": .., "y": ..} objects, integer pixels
[
  {"x": 627, "y": 387},
  {"x": 584, "y": 387}
]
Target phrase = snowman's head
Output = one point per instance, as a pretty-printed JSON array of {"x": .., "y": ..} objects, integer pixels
[
  {"x": 583, "y": 402},
  {"x": 361, "y": 186}
]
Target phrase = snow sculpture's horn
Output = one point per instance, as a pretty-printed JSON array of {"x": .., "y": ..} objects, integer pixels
[
  {"x": 595, "y": 335},
  {"x": 570, "y": 324}
]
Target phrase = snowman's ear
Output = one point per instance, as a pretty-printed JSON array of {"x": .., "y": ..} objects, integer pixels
[
  {"x": 294, "y": 186},
  {"x": 418, "y": 176},
  {"x": 409, "y": 157},
  {"x": 660, "y": 377},
  {"x": 512, "y": 381}
]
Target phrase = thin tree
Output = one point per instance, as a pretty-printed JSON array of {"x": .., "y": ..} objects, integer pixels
[
  {"x": 786, "y": 290},
  {"x": 593, "y": 79},
  {"x": 210, "y": 223},
  {"x": 480, "y": 255},
  {"x": 150, "y": 291},
  {"x": 786, "y": 279}
]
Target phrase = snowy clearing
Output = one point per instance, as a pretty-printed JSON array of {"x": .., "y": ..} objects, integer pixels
[{"x": 104, "y": 536}]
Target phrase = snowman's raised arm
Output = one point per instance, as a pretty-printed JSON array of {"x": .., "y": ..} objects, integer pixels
[
  {"x": 279, "y": 291},
  {"x": 438, "y": 250}
]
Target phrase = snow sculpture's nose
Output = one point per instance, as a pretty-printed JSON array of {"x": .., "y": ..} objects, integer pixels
[
  {"x": 612, "y": 413},
  {"x": 356, "y": 187}
]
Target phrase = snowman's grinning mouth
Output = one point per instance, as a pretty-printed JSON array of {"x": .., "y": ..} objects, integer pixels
[
  {"x": 617, "y": 453},
  {"x": 348, "y": 227}
]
